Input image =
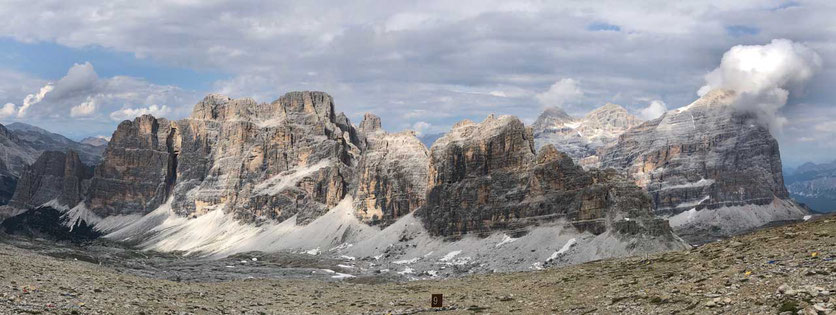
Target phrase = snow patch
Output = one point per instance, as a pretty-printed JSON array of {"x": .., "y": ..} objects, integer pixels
[
  {"x": 407, "y": 261},
  {"x": 563, "y": 249},
  {"x": 286, "y": 179},
  {"x": 342, "y": 276},
  {"x": 406, "y": 271},
  {"x": 55, "y": 205},
  {"x": 78, "y": 214},
  {"x": 691, "y": 204},
  {"x": 450, "y": 255},
  {"x": 505, "y": 240},
  {"x": 700, "y": 183}
]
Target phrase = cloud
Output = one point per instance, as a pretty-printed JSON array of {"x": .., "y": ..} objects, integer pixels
[
  {"x": 763, "y": 76},
  {"x": 421, "y": 127},
  {"x": 82, "y": 93},
  {"x": 7, "y": 110},
  {"x": 131, "y": 113},
  {"x": 33, "y": 99},
  {"x": 655, "y": 109},
  {"x": 84, "y": 109},
  {"x": 561, "y": 93},
  {"x": 434, "y": 56}
]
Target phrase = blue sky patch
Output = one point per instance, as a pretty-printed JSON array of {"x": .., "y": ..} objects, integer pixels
[
  {"x": 741, "y": 30},
  {"x": 50, "y": 61},
  {"x": 601, "y": 26}
]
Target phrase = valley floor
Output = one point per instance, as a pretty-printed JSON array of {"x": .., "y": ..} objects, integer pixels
[{"x": 787, "y": 268}]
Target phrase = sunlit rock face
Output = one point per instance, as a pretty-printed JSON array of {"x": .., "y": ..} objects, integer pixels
[
  {"x": 291, "y": 157},
  {"x": 705, "y": 156},
  {"x": 486, "y": 176},
  {"x": 132, "y": 176},
  {"x": 391, "y": 180},
  {"x": 581, "y": 138}
]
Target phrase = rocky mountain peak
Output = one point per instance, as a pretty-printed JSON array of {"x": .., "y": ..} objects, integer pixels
[
  {"x": 309, "y": 102},
  {"x": 581, "y": 138},
  {"x": 56, "y": 177},
  {"x": 552, "y": 117},
  {"x": 549, "y": 153},
  {"x": 370, "y": 123},
  {"x": 611, "y": 116},
  {"x": 95, "y": 141},
  {"x": 706, "y": 160},
  {"x": 520, "y": 143},
  {"x": 714, "y": 98},
  {"x": 222, "y": 107}
]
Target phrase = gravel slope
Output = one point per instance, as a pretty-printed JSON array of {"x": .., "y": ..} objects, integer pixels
[{"x": 757, "y": 273}]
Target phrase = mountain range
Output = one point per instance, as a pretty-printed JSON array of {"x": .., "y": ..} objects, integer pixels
[
  {"x": 814, "y": 185},
  {"x": 293, "y": 174},
  {"x": 22, "y": 144}
]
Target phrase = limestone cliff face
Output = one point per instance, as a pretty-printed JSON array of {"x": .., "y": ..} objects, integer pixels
[
  {"x": 293, "y": 156},
  {"x": 132, "y": 177},
  {"x": 706, "y": 155},
  {"x": 486, "y": 176},
  {"x": 392, "y": 174},
  {"x": 55, "y": 177}
]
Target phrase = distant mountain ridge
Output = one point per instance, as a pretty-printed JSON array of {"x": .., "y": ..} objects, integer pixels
[
  {"x": 43, "y": 140},
  {"x": 95, "y": 141},
  {"x": 814, "y": 185},
  {"x": 581, "y": 138},
  {"x": 21, "y": 145}
]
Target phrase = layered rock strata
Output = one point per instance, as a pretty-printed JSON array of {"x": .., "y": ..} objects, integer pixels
[
  {"x": 291, "y": 157},
  {"x": 486, "y": 176},
  {"x": 392, "y": 174},
  {"x": 707, "y": 155}
]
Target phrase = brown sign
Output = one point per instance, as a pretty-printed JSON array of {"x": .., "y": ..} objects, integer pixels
[{"x": 436, "y": 300}]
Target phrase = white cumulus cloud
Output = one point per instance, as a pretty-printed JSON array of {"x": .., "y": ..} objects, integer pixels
[
  {"x": 655, "y": 109},
  {"x": 421, "y": 127},
  {"x": 7, "y": 110},
  {"x": 86, "y": 108},
  {"x": 82, "y": 93},
  {"x": 33, "y": 99},
  {"x": 764, "y": 75},
  {"x": 561, "y": 93},
  {"x": 130, "y": 113}
]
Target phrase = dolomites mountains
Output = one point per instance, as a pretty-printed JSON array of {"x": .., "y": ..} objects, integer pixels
[{"x": 294, "y": 174}]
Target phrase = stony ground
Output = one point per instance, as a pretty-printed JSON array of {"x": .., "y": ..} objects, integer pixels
[{"x": 788, "y": 269}]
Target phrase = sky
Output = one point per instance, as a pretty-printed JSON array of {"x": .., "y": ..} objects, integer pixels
[{"x": 80, "y": 67}]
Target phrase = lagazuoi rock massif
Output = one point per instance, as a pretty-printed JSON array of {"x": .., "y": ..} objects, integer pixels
[{"x": 294, "y": 174}]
